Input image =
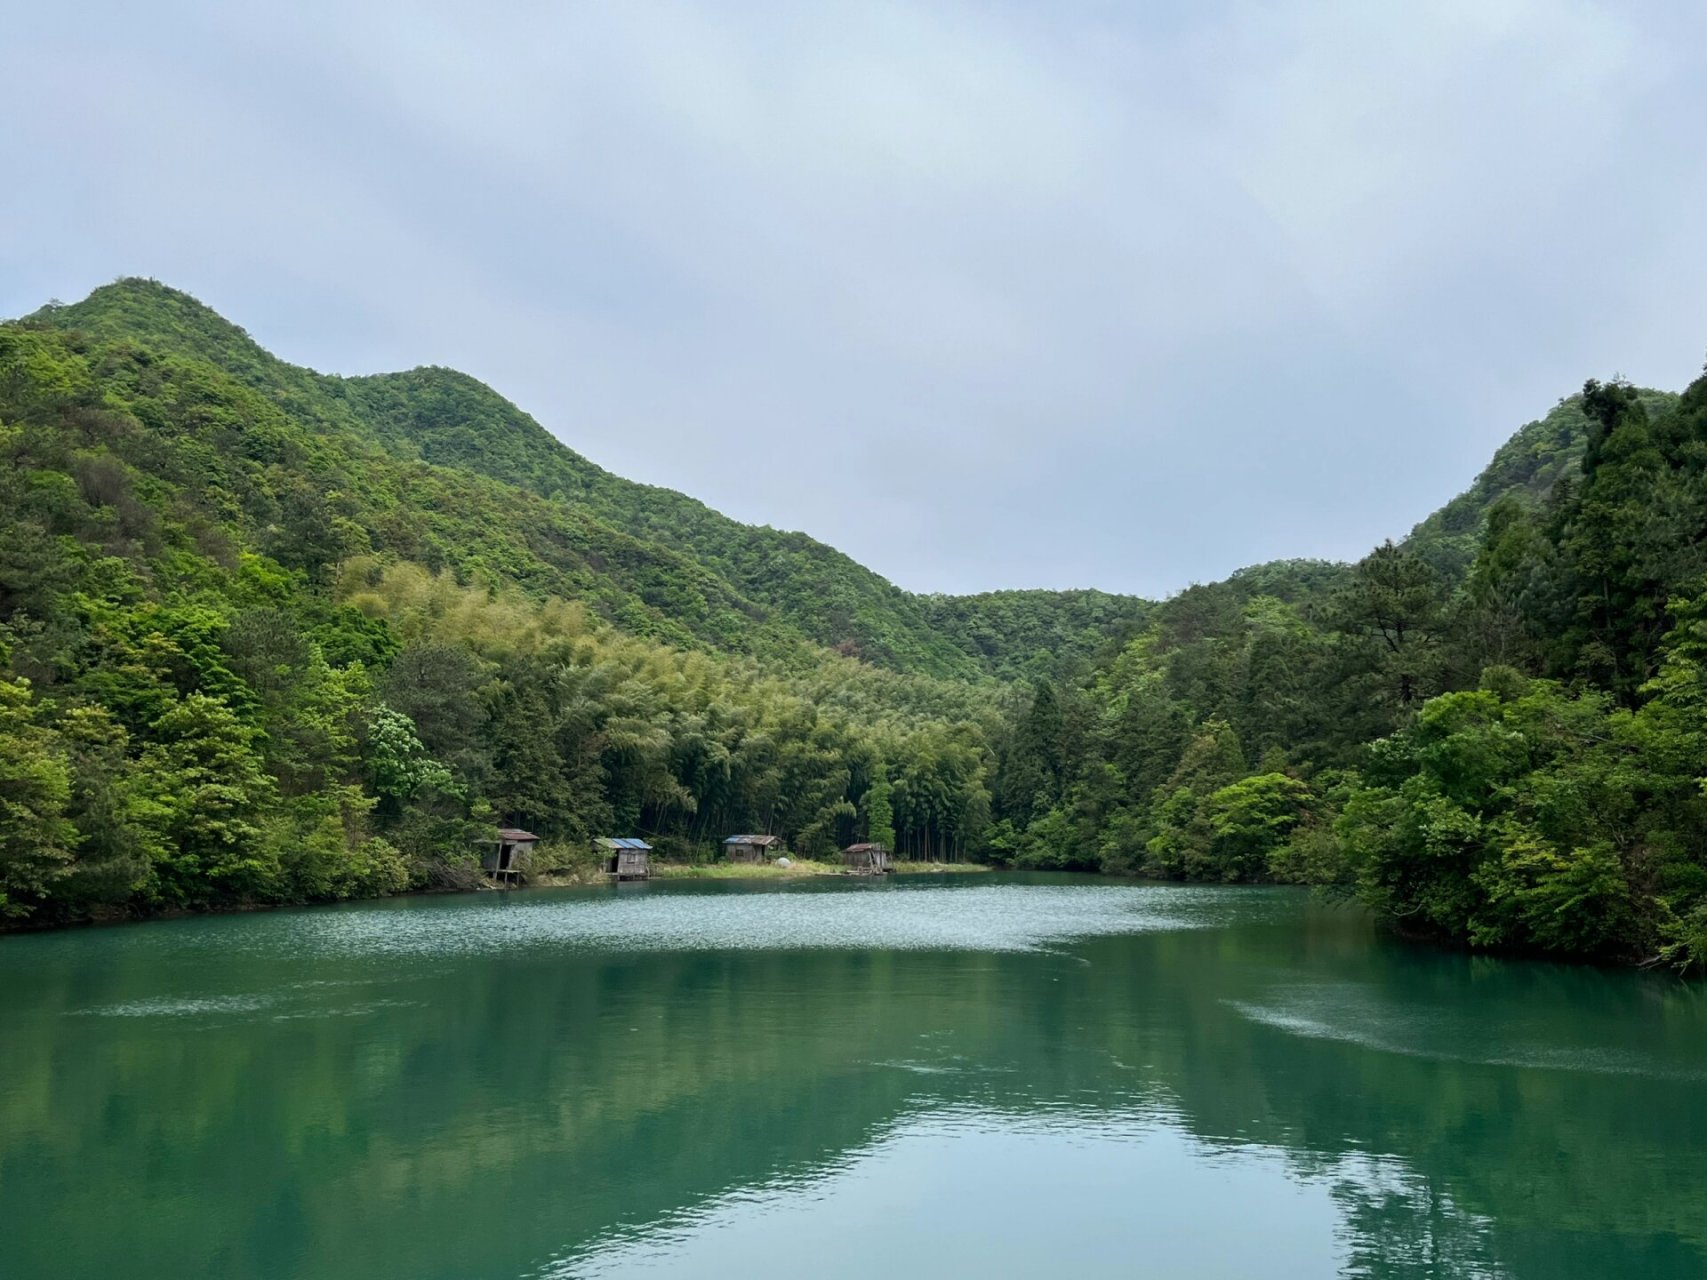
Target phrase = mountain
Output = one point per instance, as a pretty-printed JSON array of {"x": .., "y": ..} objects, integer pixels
[
  {"x": 670, "y": 566},
  {"x": 662, "y": 564},
  {"x": 1524, "y": 468}
]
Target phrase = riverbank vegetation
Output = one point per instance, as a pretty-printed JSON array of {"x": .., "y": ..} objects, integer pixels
[
  {"x": 269, "y": 635},
  {"x": 1495, "y": 733}
]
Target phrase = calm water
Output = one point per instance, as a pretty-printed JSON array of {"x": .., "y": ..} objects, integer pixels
[{"x": 975, "y": 1078}]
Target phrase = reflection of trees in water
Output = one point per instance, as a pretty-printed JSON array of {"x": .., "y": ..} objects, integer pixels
[
  {"x": 1559, "y": 1171},
  {"x": 1401, "y": 1226}
]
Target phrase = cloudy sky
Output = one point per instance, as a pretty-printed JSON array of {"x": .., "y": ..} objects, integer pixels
[{"x": 986, "y": 294}]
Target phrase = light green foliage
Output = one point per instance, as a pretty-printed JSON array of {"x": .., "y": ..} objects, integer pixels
[
  {"x": 1250, "y": 820},
  {"x": 879, "y": 814},
  {"x": 1575, "y": 901},
  {"x": 398, "y": 767},
  {"x": 305, "y": 637},
  {"x": 209, "y": 794},
  {"x": 35, "y": 787},
  {"x": 1537, "y": 818}
]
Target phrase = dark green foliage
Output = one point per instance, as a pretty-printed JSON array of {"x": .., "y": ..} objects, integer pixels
[
  {"x": 438, "y": 688},
  {"x": 1037, "y": 634},
  {"x": 1564, "y": 814},
  {"x": 1029, "y": 783}
]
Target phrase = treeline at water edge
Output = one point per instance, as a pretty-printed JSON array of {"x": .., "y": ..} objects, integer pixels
[{"x": 274, "y": 636}]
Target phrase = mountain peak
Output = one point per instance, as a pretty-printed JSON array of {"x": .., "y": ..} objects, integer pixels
[{"x": 148, "y": 312}]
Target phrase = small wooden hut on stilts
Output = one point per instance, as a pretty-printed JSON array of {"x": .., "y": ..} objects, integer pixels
[
  {"x": 866, "y": 859},
  {"x": 503, "y": 859}
]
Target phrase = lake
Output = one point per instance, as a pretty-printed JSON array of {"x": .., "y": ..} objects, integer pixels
[{"x": 967, "y": 1076}]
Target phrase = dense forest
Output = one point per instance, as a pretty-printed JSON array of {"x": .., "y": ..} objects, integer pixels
[{"x": 269, "y": 635}]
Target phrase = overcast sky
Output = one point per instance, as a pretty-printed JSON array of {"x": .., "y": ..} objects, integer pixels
[{"x": 985, "y": 294}]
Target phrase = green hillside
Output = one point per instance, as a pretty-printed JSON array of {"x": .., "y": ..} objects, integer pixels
[
  {"x": 1495, "y": 733},
  {"x": 695, "y": 572},
  {"x": 1525, "y": 468},
  {"x": 274, "y": 635},
  {"x": 269, "y": 635}
]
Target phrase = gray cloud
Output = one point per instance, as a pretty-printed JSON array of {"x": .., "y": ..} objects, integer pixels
[{"x": 984, "y": 294}]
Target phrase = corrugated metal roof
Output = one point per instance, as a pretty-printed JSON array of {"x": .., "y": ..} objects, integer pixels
[
  {"x": 515, "y": 833},
  {"x": 861, "y": 848},
  {"x": 764, "y": 840},
  {"x": 622, "y": 842}
]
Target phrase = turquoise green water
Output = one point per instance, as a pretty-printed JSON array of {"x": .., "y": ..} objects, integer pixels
[{"x": 979, "y": 1077}]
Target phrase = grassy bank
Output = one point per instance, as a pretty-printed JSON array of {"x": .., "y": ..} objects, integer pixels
[
  {"x": 796, "y": 869},
  {"x": 938, "y": 868},
  {"x": 743, "y": 870}
]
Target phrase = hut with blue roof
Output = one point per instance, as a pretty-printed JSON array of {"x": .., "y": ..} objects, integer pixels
[{"x": 625, "y": 857}]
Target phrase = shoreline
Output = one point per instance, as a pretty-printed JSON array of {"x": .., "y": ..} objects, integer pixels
[
  {"x": 801, "y": 870},
  {"x": 806, "y": 869}
]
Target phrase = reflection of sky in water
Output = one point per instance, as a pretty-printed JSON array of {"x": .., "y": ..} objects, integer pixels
[
  {"x": 280, "y": 1007},
  {"x": 963, "y": 1191},
  {"x": 983, "y": 918},
  {"x": 993, "y": 918}
]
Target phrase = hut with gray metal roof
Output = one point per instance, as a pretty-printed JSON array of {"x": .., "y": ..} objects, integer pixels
[{"x": 753, "y": 849}]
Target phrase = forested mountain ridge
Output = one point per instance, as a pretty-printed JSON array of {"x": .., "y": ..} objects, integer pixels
[
  {"x": 1525, "y": 468},
  {"x": 270, "y": 635},
  {"x": 445, "y": 418}
]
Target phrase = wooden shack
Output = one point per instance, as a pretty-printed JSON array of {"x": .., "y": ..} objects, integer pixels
[
  {"x": 866, "y": 859},
  {"x": 502, "y": 858},
  {"x": 755, "y": 849},
  {"x": 625, "y": 857}
]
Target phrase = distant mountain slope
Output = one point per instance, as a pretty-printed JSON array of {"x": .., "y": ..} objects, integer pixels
[
  {"x": 1526, "y": 466},
  {"x": 1036, "y": 633},
  {"x": 199, "y": 468},
  {"x": 455, "y": 420},
  {"x": 636, "y": 534}
]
